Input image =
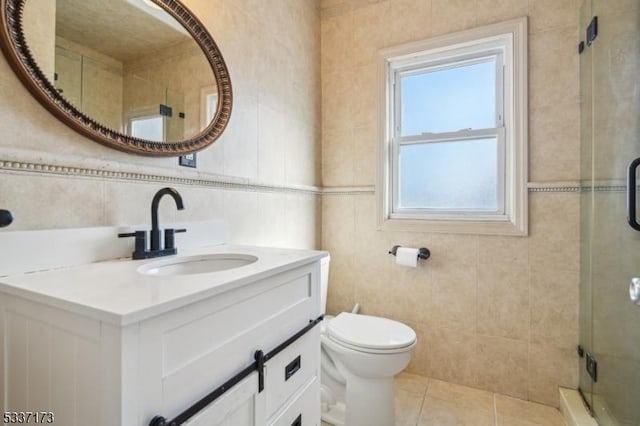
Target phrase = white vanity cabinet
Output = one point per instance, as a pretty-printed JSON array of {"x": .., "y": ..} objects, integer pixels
[{"x": 87, "y": 370}]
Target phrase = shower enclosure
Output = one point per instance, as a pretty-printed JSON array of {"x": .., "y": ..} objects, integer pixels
[{"x": 610, "y": 246}]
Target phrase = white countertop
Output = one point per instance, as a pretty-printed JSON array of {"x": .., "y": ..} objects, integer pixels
[{"x": 115, "y": 292}]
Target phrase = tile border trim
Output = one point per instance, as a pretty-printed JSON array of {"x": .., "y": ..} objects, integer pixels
[
  {"x": 532, "y": 187},
  {"x": 348, "y": 190},
  {"x": 598, "y": 186},
  {"x": 554, "y": 187},
  {"x": 203, "y": 180},
  {"x": 564, "y": 187},
  {"x": 149, "y": 174}
]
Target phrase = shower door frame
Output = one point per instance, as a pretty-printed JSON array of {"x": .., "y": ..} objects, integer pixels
[{"x": 610, "y": 248}]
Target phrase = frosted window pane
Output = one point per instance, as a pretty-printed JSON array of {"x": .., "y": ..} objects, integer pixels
[
  {"x": 150, "y": 128},
  {"x": 449, "y": 100},
  {"x": 449, "y": 175},
  {"x": 212, "y": 106}
]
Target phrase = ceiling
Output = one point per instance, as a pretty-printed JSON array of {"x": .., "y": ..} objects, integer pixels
[{"x": 115, "y": 28}]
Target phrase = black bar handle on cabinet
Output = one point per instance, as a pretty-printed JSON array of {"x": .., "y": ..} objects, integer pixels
[
  {"x": 631, "y": 195},
  {"x": 260, "y": 360}
]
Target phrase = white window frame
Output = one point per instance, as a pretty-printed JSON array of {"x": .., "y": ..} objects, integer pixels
[
  {"x": 206, "y": 114},
  {"x": 507, "y": 43}
]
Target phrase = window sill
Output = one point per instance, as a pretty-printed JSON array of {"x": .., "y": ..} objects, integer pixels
[{"x": 478, "y": 227}]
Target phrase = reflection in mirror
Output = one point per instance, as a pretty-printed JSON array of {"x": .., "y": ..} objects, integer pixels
[{"x": 126, "y": 63}]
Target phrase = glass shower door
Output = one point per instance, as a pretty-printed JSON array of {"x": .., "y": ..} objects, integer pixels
[
  {"x": 610, "y": 321},
  {"x": 586, "y": 205}
]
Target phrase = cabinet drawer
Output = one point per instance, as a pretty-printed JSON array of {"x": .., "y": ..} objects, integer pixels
[
  {"x": 291, "y": 369},
  {"x": 301, "y": 410}
]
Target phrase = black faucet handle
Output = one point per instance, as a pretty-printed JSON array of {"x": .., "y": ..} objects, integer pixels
[
  {"x": 169, "y": 237},
  {"x": 140, "y": 244}
]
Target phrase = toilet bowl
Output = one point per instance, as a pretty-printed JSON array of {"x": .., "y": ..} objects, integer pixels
[{"x": 360, "y": 356}]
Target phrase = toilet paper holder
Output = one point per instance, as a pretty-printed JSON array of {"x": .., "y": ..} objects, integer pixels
[{"x": 423, "y": 253}]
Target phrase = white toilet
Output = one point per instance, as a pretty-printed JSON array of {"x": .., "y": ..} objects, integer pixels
[{"x": 360, "y": 356}]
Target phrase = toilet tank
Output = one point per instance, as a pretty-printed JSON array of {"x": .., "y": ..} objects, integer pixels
[{"x": 324, "y": 282}]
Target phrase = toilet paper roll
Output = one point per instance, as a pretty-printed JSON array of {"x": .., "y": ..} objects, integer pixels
[{"x": 406, "y": 256}]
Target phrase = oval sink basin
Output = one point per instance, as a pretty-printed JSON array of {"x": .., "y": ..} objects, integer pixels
[{"x": 200, "y": 264}]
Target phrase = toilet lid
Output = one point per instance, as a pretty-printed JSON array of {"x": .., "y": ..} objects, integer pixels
[{"x": 366, "y": 331}]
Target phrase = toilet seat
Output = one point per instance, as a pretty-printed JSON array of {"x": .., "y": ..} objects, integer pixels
[{"x": 370, "y": 334}]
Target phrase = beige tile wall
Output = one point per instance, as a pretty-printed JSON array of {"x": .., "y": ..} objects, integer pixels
[
  {"x": 498, "y": 313},
  {"x": 272, "y": 50}
]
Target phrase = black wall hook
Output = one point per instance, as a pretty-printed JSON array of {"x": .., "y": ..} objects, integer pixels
[{"x": 5, "y": 218}]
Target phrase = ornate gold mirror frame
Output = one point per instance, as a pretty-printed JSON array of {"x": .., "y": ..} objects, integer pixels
[{"x": 15, "y": 49}]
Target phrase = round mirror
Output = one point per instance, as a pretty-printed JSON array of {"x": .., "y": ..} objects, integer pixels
[{"x": 141, "y": 76}]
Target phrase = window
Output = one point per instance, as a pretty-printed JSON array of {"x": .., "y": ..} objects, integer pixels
[
  {"x": 453, "y": 135},
  {"x": 208, "y": 105},
  {"x": 148, "y": 127},
  {"x": 212, "y": 106}
]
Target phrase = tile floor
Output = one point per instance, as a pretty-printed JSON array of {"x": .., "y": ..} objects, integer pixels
[{"x": 428, "y": 402}]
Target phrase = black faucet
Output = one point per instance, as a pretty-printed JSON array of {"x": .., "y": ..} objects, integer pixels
[
  {"x": 155, "y": 250},
  {"x": 155, "y": 231}
]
